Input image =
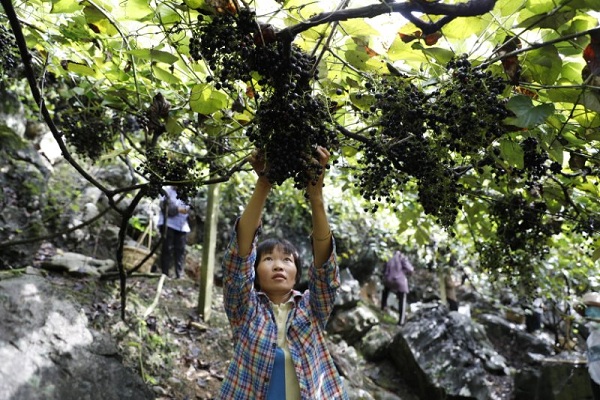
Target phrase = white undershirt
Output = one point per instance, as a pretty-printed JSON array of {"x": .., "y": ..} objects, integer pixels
[{"x": 282, "y": 312}]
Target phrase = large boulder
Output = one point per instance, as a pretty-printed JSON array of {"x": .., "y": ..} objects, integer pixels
[
  {"x": 446, "y": 354},
  {"x": 48, "y": 352}
]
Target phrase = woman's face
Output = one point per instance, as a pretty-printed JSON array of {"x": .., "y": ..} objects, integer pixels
[{"x": 276, "y": 273}]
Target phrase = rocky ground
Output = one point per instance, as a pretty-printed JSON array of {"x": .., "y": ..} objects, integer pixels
[{"x": 179, "y": 355}]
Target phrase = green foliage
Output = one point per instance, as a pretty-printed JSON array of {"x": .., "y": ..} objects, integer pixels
[{"x": 459, "y": 138}]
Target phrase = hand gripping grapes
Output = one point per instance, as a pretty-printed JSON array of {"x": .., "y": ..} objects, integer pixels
[{"x": 279, "y": 332}]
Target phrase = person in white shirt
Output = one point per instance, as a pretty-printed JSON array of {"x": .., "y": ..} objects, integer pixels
[{"x": 175, "y": 212}]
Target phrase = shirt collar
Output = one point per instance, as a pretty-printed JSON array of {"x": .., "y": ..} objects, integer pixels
[{"x": 293, "y": 298}]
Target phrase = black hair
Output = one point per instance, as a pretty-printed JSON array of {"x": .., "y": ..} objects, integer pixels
[{"x": 267, "y": 246}]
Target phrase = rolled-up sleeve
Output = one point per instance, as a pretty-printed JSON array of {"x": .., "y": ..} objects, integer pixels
[
  {"x": 324, "y": 282},
  {"x": 238, "y": 278}
]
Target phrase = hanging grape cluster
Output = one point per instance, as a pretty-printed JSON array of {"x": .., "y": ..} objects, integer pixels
[
  {"x": 161, "y": 166},
  {"x": 466, "y": 113},
  {"x": 522, "y": 231},
  {"x": 89, "y": 130},
  {"x": 225, "y": 42},
  {"x": 288, "y": 128},
  {"x": 420, "y": 135},
  {"x": 534, "y": 160},
  {"x": 289, "y": 122},
  {"x": 9, "y": 56},
  {"x": 522, "y": 224}
]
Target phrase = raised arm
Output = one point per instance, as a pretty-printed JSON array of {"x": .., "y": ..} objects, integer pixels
[
  {"x": 252, "y": 214},
  {"x": 321, "y": 235}
]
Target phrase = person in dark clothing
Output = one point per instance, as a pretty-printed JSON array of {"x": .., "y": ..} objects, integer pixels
[{"x": 395, "y": 280}]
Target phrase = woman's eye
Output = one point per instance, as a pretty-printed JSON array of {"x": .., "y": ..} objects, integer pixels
[{"x": 288, "y": 259}]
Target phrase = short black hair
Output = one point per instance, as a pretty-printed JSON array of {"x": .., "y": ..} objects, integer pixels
[{"x": 267, "y": 246}]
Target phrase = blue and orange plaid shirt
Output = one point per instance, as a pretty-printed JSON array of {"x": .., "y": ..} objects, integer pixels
[{"x": 255, "y": 331}]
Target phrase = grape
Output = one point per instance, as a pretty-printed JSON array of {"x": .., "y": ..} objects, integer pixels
[{"x": 9, "y": 55}]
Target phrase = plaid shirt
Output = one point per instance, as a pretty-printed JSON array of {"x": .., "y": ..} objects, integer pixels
[{"x": 255, "y": 331}]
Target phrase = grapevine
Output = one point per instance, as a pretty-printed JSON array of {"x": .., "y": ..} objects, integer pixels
[
  {"x": 423, "y": 135},
  {"x": 289, "y": 122},
  {"x": 522, "y": 232},
  {"x": 89, "y": 130},
  {"x": 161, "y": 166},
  {"x": 9, "y": 59}
]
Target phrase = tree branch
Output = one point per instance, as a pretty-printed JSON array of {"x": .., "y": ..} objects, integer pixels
[
  {"x": 539, "y": 45},
  {"x": 469, "y": 9}
]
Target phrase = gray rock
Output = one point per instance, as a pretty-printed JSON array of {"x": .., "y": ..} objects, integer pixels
[{"x": 49, "y": 353}]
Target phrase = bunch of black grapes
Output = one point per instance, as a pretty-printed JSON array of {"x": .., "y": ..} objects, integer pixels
[
  {"x": 466, "y": 112},
  {"x": 9, "y": 56},
  {"x": 534, "y": 160},
  {"x": 399, "y": 148},
  {"x": 522, "y": 224},
  {"x": 226, "y": 43},
  {"x": 287, "y": 128},
  {"x": 523, "y": 229},
  {"x": 89, "y": 130},
  {"x": 421, "y": 134},
  {"x": 161, "y": 166},
  {"x": 290, "y": 122}
]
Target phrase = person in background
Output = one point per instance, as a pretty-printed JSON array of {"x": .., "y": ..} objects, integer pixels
[
  {"x": 451, "y": 283},
  {"x": 533, "y": 315},
  {"x": 174, "y": 211},
  {"x": 278, "y": 332},
  {"x": 395, "y": 280},
  {"x": 591, "y": 313}
]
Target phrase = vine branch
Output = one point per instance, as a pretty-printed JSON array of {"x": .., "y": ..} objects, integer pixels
[{"x": 471, "y": 8}]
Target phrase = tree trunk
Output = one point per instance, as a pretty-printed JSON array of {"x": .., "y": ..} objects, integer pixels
[{"x": 208, "y": 252}]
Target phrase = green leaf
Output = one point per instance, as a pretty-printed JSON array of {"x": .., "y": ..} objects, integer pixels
[
  {"x": 583, "y": 5},
  {"x": 572, "y": 139},
  {"x": 66, "y": 6},
  {"x": 441, "y": 56},
  {"x": 538, "y": 6},
  {"x": 556, "y": 151},
  {"x": 590, "y": 100},
  {"x": 589, "y": 187},
  {"x": 357, "y": 58},
  {"x": 154, "y": 55},
  {"x": 461, "y": 28},
  {"x": 554, "y": 197},
  {"x": 173, "y": 126},
  {"x": 195, "y": 4},
  {"x": 544, "y": 65},
  {"x": 552, "y": 21},
  {"x": 164, "y": 75},
  {"x": 596, "y": 254},
  {"x": 508, "y": 8},
  {"x": 206, "y": 100},
  {"x": 138, "y": 10},
  {"x": 571, "y": 71},
  {"x": 357, "y": 27},
  {"x": 349, "y": 151},
  {"x": 404, "y": 52},
  {"x": 527, "y": 115},
  {"x": 363, "y": 101},
  {"x": 80, "y": 69},
  {"x": 512, "y": 153}
]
